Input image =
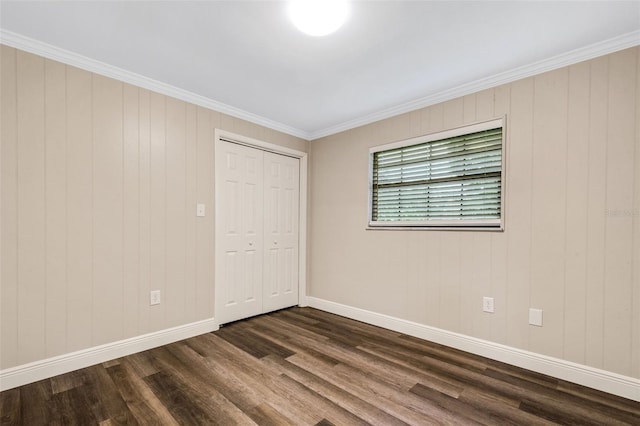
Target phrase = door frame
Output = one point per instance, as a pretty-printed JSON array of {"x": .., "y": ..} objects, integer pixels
[{"x": 220, "y": 135}]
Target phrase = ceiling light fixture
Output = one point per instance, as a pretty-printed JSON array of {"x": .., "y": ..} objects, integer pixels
[{"x": 318, "y": 17}]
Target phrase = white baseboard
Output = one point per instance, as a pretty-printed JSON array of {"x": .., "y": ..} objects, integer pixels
[
  {"x": 39, "y": 370},
  {"x": 605, "y": 381},
  {"x": 627, "y": 387}
]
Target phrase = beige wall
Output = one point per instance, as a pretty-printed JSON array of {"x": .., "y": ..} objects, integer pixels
[
  {"x": 100, "y": 182},
  {"x": 572, "y": 239}
]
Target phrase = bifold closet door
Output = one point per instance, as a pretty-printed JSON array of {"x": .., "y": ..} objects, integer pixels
[
  {"x": 257, "y": 231},
  {"x": 281, "y": 217},
  {"x": 239, "y": 231}
]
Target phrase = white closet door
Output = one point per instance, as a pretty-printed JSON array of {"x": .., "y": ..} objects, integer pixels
[
  {"x": 281, "y": 231},
  {"x": 239, "y": 232}
]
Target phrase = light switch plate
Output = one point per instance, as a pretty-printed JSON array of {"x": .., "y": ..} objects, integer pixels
[
  {"x": 200, "y": 210},
  {"x": 154, "y": 297},
  {"x": 535, "y": 317},
  {"x": 487, "y": 304}
]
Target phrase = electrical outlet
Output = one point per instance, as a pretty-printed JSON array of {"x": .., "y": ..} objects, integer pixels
[
  {"x": 487, "y": 304},
  {"x": 154, "y": 297}
]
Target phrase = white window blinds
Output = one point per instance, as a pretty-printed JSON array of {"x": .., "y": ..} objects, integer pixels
[{"x": 449, "y": 181}]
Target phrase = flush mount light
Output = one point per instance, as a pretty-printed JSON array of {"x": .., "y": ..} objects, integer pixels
[{"x": 318, "y": 17}]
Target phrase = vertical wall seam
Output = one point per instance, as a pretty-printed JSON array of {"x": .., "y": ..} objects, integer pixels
[
  {"x": 635, "y": 217},
  {"x": 92, "y": 283},
  {"x": 604, "y": 260},
  {"x": 149, "y": 182},
  {"x": 17, "y": 208},
  {"x": 586, "y": 231},
  {"x": 507, "y": 305},
  {"x": 139, "y": 248},
  {"x": 211, "y": 243},
  {"x": 185, "y": 203},
  {"x": 45, "y": 237},
  {"x": 123, "y": 333},
  {"x": 164, "y": 191},
  {"x": 196, "y": 264},
  {"x": 531, "y": 205},
  {"x": 188, "y": 216},
  {"x": 507, "y": 208},
  {"x": 566, "y": 216},
  {"x": 66, "y": 213}
]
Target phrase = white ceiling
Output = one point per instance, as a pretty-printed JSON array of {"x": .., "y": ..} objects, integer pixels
[{"x": 246, "y": 58}]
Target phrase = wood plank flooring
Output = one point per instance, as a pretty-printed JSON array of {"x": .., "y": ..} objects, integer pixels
[{"x": 301, "y": 366}]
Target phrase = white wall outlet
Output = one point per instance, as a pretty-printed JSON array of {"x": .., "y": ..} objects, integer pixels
[
  {"x": 154, "y": 297},
  {"x": 487, "y": 304},
  {"x": 535, "y": 317},
  {"x": 200, "y": 210}
]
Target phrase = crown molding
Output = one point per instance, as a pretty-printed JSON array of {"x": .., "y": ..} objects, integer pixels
[
  {"x": 565, "y": 59},
  {"x": 595, "y": 50},
  {"x": 48, "y": 51}
]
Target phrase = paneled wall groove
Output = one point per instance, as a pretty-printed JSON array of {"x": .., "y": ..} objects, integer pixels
[
  {"x": 56, "y": 212},
  {"x": 605, "y": 166},
  {"x": 122, "y": 208},
  {"x": 635, "y": 332},
  {"x": 9, "y": 206},
  {"x": 565, "y": 218},
  {"x": 30, "y": 202},
  {"x": 595, "y": 258},
  {"x": 576, "y": 211}
]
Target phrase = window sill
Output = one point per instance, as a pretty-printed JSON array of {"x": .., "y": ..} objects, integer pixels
[{"x": 435, "y": 228}]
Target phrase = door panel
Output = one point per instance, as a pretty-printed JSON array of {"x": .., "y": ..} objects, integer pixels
[
  {"x": 282, "y": 192},
  {"x": 239, "y": 231}
]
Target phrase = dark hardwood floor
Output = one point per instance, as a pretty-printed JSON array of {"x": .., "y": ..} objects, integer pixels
[{"x": 302, "y": 366}]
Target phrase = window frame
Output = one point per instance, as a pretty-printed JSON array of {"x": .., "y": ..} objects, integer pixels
[{"x": 458, "y": 224}]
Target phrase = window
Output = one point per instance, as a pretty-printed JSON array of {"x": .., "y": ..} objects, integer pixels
[{"x": 451, "y": 179}]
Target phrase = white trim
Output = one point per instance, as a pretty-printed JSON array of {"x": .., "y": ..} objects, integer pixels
[
  {"x": 302, "y": 233},
  {"x": 45, "y": 50},
  {"x": 606, "y": 381},
  {"x": 257, "y": 143},
  {"x": 39, "y": 370},
  {"x": 605, "y": 47},
  {"x": 438, "y": 225},
  {"x": 444, "y": 134},
  {"x": 220, "y": 134},
  {"x": 435, "y": 228},
  {"x": 595, "y": 50}
]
